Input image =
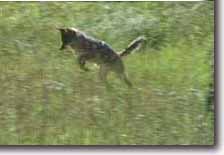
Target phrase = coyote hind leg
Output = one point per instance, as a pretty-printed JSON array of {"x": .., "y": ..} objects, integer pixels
[
  {"x": 124, "y": 78},
  {"x": 119, "y": 69},
  {"x": 103, "y": 73}
]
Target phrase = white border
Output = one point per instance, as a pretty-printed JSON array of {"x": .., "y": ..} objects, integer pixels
[{"x": 103, "y": 0}]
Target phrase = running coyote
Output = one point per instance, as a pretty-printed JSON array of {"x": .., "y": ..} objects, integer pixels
[{"x": 97, "y": 51}]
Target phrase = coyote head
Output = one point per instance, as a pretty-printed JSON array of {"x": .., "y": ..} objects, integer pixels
[{"x": 68, "y": 35}]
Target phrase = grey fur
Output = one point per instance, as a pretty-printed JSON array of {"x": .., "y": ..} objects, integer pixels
[{"x": 97, "y": 51}]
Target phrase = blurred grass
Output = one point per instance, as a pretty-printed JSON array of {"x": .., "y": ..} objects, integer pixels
[{"x": 46, "y": 99}]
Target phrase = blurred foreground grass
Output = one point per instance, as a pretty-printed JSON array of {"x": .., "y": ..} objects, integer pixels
[{"x": 46, "y": 99}]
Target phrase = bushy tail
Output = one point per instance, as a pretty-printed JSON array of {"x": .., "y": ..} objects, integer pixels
[{"x": 135, "y": 44}]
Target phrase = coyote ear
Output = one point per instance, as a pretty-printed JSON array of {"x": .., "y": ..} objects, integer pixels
[
  {"x": 61, "y": 29},
  {"x": 72, "y": 30}
]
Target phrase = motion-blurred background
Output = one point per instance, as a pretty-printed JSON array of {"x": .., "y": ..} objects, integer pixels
[{"x": 46, "y": 99}]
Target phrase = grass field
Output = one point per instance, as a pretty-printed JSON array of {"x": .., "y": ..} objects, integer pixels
[{"x": 46, "y": 99}]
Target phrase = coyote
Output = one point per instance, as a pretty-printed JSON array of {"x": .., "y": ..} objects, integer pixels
[{"x": 97, "y": 51}]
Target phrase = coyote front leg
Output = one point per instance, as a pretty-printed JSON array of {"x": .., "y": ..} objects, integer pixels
[{"x": 82, "y": 61}]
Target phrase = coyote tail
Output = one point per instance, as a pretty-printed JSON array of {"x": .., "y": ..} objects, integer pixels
[{"x": 135, "y": 44}]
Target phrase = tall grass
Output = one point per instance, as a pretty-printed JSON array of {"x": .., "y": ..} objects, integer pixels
[{"x": 46, "y": 99}]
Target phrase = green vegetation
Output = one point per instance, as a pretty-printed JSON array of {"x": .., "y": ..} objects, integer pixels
[{"x": 46, "y": 99}]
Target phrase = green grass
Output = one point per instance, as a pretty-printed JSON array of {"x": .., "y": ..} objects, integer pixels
[{"x": 46, "y": 99}]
